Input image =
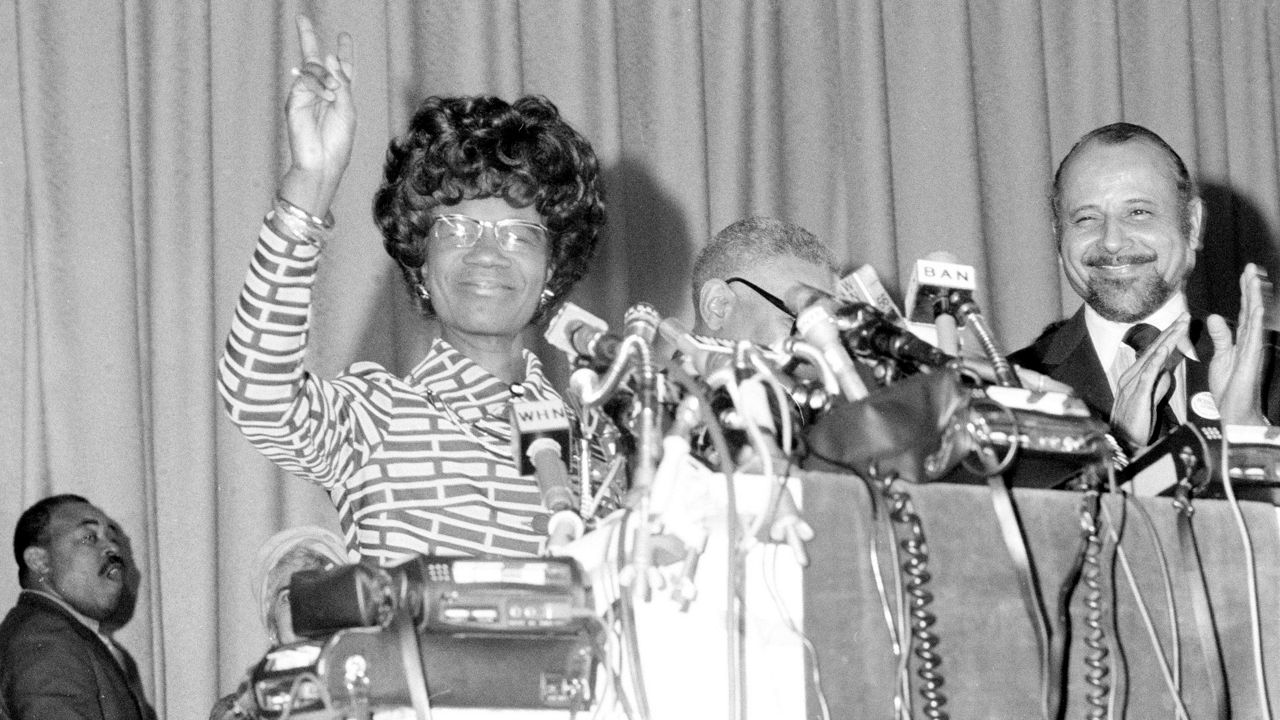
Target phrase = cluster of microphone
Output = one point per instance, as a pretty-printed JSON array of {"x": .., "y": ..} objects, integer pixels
[
  {"x": 859, "y": 325},
  {"x": 848, "y": 345}
]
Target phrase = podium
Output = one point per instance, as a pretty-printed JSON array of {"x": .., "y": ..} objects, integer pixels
[
  {"x": 987, "y": 653},
  {"x": 987, "y": 645}
]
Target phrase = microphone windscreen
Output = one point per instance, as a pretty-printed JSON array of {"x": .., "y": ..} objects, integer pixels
[
  {"x": 570, "y": 320},
  {"x": 642, "y": 319}
]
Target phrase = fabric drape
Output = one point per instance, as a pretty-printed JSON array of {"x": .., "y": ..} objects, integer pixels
[{"x": 140, "y": 143}]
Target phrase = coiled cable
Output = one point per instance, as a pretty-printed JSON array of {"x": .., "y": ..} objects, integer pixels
[
  {"x": 924, "y": 640},
  {"x": 1096, "y": 658}
]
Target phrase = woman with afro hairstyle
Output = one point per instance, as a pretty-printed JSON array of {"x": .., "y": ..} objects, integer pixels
[{"x": 491, "y": 211}]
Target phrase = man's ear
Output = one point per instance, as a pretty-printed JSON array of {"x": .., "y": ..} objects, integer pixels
[
  {"x": 1195, "y": 229},
  {"x": 715, "y": 303},
  {"x": 36, "y": 559}
]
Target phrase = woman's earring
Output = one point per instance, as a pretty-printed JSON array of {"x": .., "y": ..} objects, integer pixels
[
  {"x": 421, "y": 290},
  {"x": 545, "y": 300}
]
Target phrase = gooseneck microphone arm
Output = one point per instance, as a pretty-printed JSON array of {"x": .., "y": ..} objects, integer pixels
[
  {"x": 592, "y": 390},
  {"x": 973, "y": 317}
]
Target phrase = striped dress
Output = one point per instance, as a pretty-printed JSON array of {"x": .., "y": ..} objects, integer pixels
[{"x": 415, "y": 465}]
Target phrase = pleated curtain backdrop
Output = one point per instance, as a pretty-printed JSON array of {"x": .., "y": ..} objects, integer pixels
[{"x": 140, "y": 143}]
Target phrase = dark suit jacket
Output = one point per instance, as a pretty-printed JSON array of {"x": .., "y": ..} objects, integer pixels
[
  {"x": 52, "y": 666},
  {"x": 1064, "y": 352}
]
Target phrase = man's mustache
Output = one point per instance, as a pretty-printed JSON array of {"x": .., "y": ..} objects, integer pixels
[
  {"x": 110, "y": 559},
  {"x": 1109, "y": 260}
]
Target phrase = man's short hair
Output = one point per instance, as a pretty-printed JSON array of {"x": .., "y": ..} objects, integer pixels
[
  {"x": 33, "y": 528},
  {"x": 752, "y": 241},
  {"x": 1118, "y": 134}
]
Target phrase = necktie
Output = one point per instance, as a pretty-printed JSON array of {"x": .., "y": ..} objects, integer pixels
[
  {"x": 1140, "y": 337},
  {"x": 115, "y": 649}
]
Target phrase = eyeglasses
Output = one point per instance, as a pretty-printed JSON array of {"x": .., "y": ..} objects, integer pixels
[
  {"x": 514, "y": 236},
  {"x": 769, "y": 297}
]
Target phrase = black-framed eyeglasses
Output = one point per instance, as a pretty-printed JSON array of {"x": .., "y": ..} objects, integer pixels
[
  {"x": 769, "y": 297},
  {"x": 512, "y": 235}
]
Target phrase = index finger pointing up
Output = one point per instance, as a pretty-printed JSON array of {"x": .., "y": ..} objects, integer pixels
[{"x": 307, "y": 41}]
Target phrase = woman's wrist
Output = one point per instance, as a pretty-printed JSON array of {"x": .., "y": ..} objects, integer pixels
[{"x": 310, "y": 192}]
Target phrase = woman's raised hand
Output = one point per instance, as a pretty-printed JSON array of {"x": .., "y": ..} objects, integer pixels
[{"x": 322, "y": 122}]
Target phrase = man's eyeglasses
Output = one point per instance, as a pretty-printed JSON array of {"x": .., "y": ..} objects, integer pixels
[
  {"x": 769, "y": 297},
  {"x": 515, "y": 236}
]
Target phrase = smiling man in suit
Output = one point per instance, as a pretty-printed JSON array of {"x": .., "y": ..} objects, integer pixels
[
  {"x": 57, "y": 659},
  {"x": 1128, "y": 223}
]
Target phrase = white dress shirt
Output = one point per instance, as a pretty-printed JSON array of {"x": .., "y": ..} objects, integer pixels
[{"x": 1116, "y": 357}]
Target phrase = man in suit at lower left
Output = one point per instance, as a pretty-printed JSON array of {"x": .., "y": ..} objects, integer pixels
[{"x": 56, "y": 659}]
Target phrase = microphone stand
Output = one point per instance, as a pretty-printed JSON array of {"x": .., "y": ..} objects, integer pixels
[
  {"x": 649, "y": 450},
  {"x": 592, "y": 391}
]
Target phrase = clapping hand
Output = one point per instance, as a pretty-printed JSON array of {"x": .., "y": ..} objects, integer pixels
[
  {"x": 1146, "y": 381},
  {"x": 1235, "y": 373}
]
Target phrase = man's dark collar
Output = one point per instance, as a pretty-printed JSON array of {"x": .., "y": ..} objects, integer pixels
[{"x": 85, "y": 620}]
